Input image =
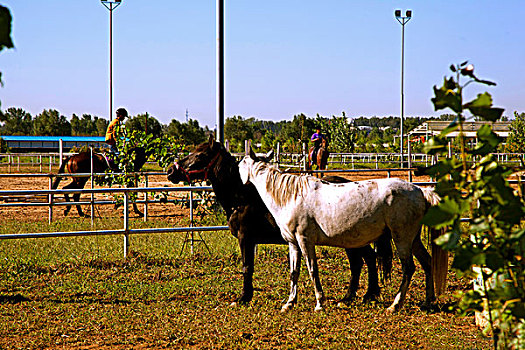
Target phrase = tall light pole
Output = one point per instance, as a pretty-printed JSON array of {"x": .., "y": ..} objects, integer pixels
[
  {"x": 220, "y": 70},
  {"x": 402, "y": 20},
  {"x": 111, "y": 5}
]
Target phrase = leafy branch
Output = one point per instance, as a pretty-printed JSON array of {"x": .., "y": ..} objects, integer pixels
[{"x": 493, "y": 242}]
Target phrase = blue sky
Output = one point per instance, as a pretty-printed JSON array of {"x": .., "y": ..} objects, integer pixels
[{"x": 282, "y": 57}]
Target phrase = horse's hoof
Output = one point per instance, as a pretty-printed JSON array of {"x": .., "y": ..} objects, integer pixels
[
  {"x": 342, "y": 305},
  {"x": 391, "y": 310},
  {"x": 318, "y": 308},
  {"x": 369, "y": 298},
  {"x": 286, "y": 307},
  {"x": 234, "y": 304}
]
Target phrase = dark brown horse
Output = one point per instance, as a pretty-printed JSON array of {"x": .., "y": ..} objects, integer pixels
[
  {"x": 321, "y": 159},
  {"x": 81, "y": 163},
  {"x": 251, "y": 222}
]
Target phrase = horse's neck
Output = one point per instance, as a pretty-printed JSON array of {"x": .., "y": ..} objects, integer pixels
[
  {"x": 260, "y": 183},
  {"x": 227, "y": 184}
]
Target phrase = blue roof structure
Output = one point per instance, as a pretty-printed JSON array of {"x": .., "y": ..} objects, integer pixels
[
  {"x": 50, "y": 143},
  {"x": 53, "y": 138}
]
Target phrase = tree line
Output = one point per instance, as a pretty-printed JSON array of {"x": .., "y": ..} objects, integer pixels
[{"x": 362, "y": 134}]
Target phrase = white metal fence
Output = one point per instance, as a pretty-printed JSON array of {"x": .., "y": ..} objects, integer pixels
[{"x": 126, "y": 231}]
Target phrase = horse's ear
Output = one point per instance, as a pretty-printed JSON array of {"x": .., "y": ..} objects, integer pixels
[
  {"x": 252, "y": 154},
  {"x": 269, "y": 155}
]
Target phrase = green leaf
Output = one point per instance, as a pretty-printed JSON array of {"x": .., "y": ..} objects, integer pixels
[
  {"x": 438, "y": 217},
  {"x": 486, "y": 134},
  {"x": 494, "y": 261},
  {"x": 518, "y": 310},
  {"x": 5, "y": 28},
  {"x": 435, "y": 145},
  {"x": 478, "y": 225},
  {"x": 486, "y": 113},
  {"x": 453, "y": 126},
  {"x": 482, "y": 100},
  {"x": 518, "y": 235},
  {"x": 464, "y": 257},
  {"x": 446, "y": 97}
]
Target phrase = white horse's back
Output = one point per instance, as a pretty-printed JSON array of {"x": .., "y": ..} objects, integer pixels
[{"x": 354, "y": 214}]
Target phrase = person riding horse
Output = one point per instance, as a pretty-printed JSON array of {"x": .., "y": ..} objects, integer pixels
[
  {"x": 111, "y": 132},
  {"x": 317, "y": 139},
  {"x": 112, "y": 135}
]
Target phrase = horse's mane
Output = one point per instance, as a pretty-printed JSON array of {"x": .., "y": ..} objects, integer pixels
[{"x": 283, "y": 187}]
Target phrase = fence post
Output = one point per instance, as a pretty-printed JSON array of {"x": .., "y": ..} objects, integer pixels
[
  {"x": 92, "y": 186},
  {"x": 126, "y": 224},
  {"x": 40, "y": 159},
  {"x": 305, "y": 156},
  {"x": 50, "y": 199},
  {"x": 191, "y": 221},
  {"x": 409, "y": 160},
  {"x": 146, "y": 182},
  {"x": 278, "y": 154},
  {"x": 61, "y": 151}
]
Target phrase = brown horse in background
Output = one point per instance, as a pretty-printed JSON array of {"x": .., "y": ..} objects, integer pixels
[
  {"x": 81, "y": 164},
  {"x": 321, "y": 160}
]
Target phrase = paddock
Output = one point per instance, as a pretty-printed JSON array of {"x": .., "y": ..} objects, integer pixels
[{"x": 156, "y": 275}]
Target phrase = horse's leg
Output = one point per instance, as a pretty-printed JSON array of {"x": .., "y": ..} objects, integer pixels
[
  {"x": 308, "y": 250},
  {"x": 370, "y": 257},
  {"x": 80, "y": 183},
  {"x": 248, "y": 257},
  {"x": 424, "y": 259},
  {"x": 69, "y": 186},
  {"x": 356, "y": 264},
  {"x": 76, "y": 198},
  {"x": 295, "y": 267},
  {"x": 407, "y": 263}
]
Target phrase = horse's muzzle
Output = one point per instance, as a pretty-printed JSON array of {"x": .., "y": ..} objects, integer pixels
[{"x": 174, "y": 174}]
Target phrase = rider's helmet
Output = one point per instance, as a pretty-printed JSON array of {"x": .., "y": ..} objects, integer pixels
[{"x": 122, "y": 113}]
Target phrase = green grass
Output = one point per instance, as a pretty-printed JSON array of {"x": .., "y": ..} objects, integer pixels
[{"x": 80, "y": 292}]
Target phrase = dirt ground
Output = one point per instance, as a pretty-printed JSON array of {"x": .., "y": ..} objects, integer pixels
[{"x": 41, "y": 213}]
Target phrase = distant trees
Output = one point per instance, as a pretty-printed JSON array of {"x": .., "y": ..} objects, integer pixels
[
  {"x": 51, "y": 123},
  {"x": 516, "y": 140},
  {"x": 189, "y": 133},
  {"x": 86, "y": 126},
  {"x": 138, "y": 122},
  {"x": 344, "y": 134},
  {"x": 16, "y": 121}
]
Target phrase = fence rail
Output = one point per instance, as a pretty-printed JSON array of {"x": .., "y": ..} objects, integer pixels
[{"x": 125, "y": 231}]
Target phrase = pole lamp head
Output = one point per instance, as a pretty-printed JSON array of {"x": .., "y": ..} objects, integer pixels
[
  {"x": 397, "y": 13},
  {"x": 408, "y": 13}
]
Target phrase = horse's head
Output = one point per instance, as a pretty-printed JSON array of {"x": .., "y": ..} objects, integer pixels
[
  {"x": 245, "y": 168},
  {"x": 196, "y": 165},
  {"x": 246, "y": 165}
]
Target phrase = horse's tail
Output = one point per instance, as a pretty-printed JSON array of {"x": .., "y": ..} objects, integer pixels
[
  {"x": 54, "y": 186},
  {"x": 384, "y": 255},
  {"x": 439, "y": 263}
]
